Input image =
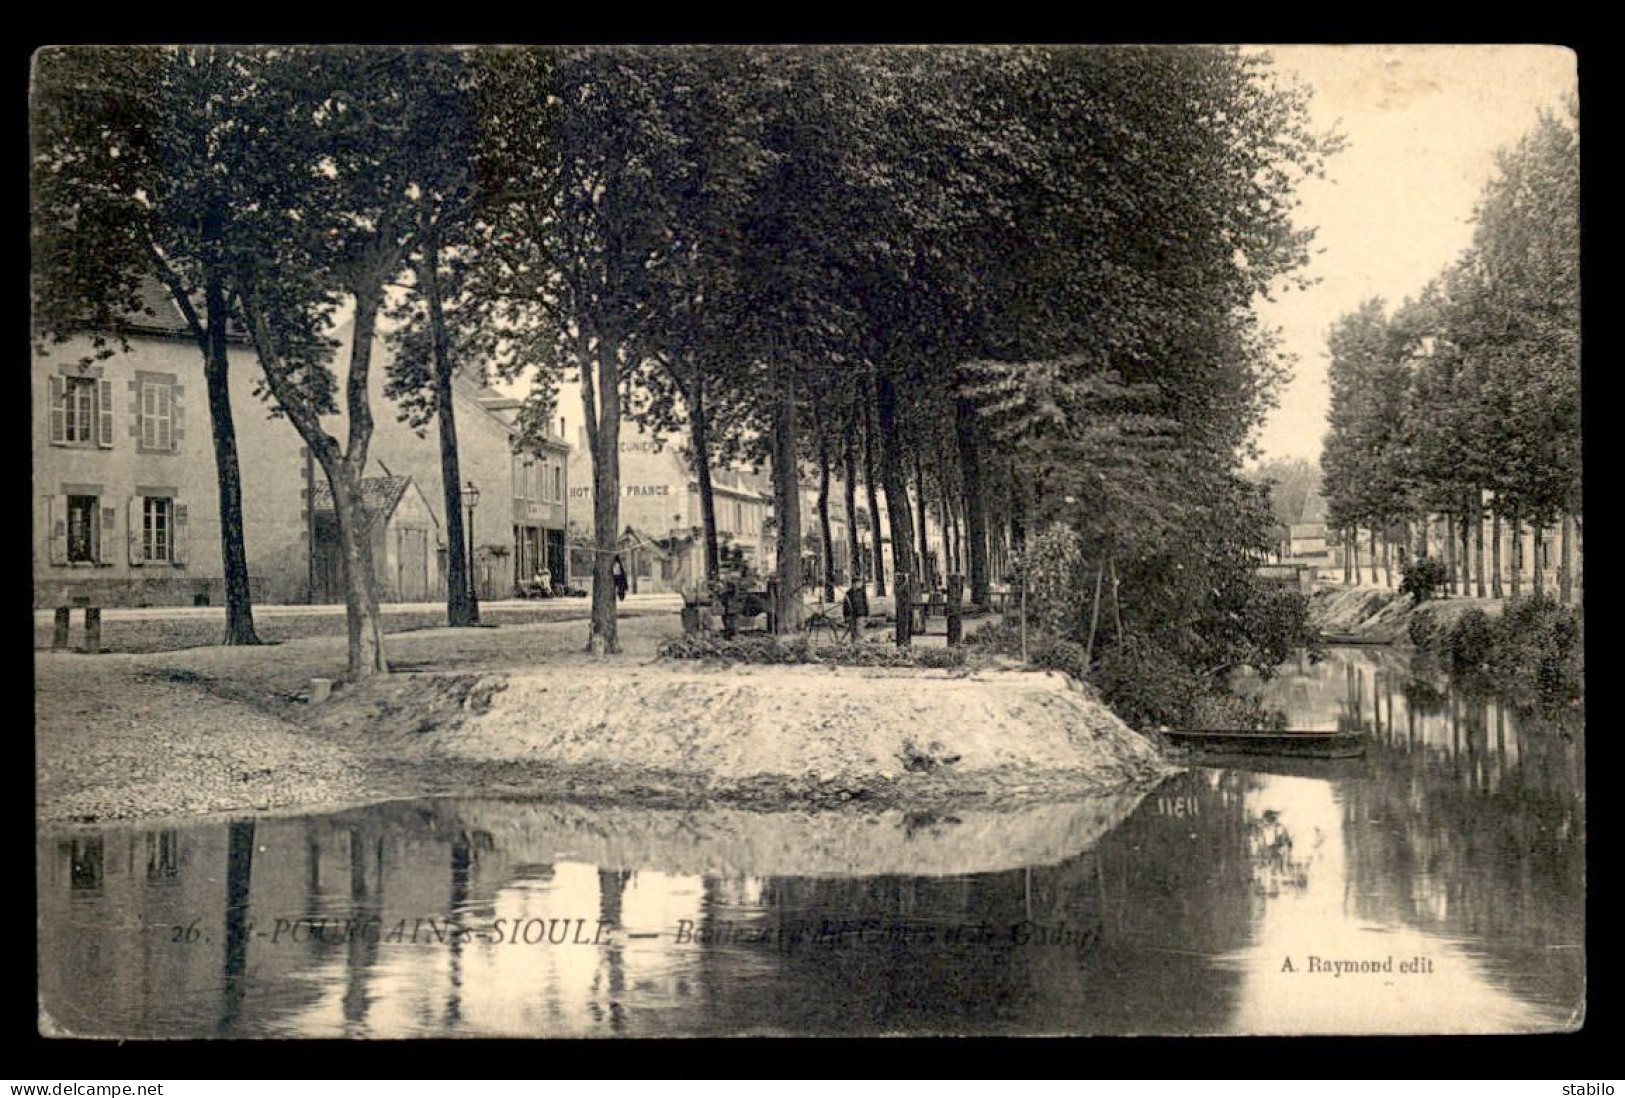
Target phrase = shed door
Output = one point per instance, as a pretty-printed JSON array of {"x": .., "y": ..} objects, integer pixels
[{"x": 414, "y": 564}]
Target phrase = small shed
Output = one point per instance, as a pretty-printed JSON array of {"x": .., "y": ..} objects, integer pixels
[{"x": 408, "y": 548}]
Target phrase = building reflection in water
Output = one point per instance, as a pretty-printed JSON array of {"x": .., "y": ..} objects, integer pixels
[{"x": 1459, "y": 839}]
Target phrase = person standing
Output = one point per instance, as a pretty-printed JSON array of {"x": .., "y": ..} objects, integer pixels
[{"x": 618, "y": 571}]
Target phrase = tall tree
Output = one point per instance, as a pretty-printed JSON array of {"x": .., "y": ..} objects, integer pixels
[
  {"x": 146, "y": 168},
  {"x": 362, "y": 140}
]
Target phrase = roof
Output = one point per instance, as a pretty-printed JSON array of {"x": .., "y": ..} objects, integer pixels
[
  {"x": 379, "y": 496},
  {"x": 160, "y": 314}
]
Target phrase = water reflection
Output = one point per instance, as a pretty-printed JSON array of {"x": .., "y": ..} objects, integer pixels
[{"x": 1459, "y": 840}]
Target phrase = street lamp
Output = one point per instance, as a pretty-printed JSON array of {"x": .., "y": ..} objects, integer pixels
[{"x": 471, "y": 497}]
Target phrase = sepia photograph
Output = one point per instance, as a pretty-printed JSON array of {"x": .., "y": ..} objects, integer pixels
[{"x": 806, "y": 541}]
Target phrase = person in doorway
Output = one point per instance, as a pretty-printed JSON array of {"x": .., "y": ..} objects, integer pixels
[
  {"x": 618, "y": 571},
  {"x": 544, "y": 583}
]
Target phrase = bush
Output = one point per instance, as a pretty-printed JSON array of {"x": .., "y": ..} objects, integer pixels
[
  {"x": 1421, "y": 579},
  {"x": 1148, "y": 686},
  {"x": 1060, "y": 586},
  {"x": 1533, "y": 653},
  {"x": 1468, "y": 643},
  {"x": 763, "y": 649},
  {"x": 1424, "y": 631}
]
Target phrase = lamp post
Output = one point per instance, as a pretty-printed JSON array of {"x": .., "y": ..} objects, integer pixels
[{"x": 471, "y": 497}]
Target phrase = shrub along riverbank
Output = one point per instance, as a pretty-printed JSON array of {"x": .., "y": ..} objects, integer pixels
[{"x": 1531, "y": 653}]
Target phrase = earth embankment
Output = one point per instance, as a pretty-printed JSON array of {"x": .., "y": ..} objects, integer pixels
[
  {"x": 757, "y": 733},
  {"x": 1377, "y": 615}
]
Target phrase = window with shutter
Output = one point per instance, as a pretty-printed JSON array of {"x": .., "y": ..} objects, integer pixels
[
  {"x": 132, "y": 529},
  {"x": 56, "y": 525},
  {"x": 73, "y": 410},
  {"x": 81, "y": 515},
  {"x": 157, "y": 415},
  {"x": 177, "y": 548},
  {"x": 105, "y": 394},
  {"x": 157, "y": 528},
  {"x": 59, "y": 412},
  {"x": 105, "y": 535}
]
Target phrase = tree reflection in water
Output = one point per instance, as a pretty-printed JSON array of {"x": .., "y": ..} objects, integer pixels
[{"x": 1464, "y": 826}]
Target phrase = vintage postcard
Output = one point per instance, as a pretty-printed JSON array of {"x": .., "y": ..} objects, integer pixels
[{"x": 807, "y": 541}]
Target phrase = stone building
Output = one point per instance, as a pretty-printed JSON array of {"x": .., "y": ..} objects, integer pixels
[{"x": 126, "y": 498}]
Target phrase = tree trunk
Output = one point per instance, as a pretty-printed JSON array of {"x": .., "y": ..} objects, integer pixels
[
  {"x": 1478, "y": 551},
  {"x": 461, "y": 609},
  {"x": 925, "y": 571},
  {"x": 233, "y": 555},
  {"x": 344, "y": 476},
  {"x": 787, "y": 504},
  {"x": 1565, "y": 590},
  {"x": 849, "y": 486},
  {"x": 827, "y": 541},
  {"x": 700, "y": 443},
  {"x": 1537, "y": 542},
  {"x": 891, "y": 472},
  {"x": 365, "y": 626},
  {"x": 1579, "y": 559},
  {"x": 603, "y": 418},
  {"x": 1450, "y": 554},
  {"x": 970, "y": 475},
  {"x": 1387, "y": 564},
  {"x": 1466, "y": 554},
  {"x": 1373, "y": 541},
  {"x": 871, "y": 485},
  {"x": 1354, "y": 552},
  {"x": 1517, "y": 554},
  {"x": 1495, "y": 554}
]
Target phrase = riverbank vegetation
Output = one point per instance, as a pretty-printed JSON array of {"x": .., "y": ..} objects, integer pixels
[
  {"x": 1461, "y": 407},
  {"x": 1531, "y": 654}
]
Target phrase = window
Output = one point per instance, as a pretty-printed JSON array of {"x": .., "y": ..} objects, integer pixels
[
  {"x": 558, "y": 483},
  {"x": 157, "y": 529},
  {"x": 81, "y": 411},
  {"x": 157, "y": 415},
  {"x": 82, "y": 517}
]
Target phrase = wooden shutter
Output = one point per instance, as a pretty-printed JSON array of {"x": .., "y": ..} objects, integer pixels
[
  {"x": 104, "y": 408},
  {"x": 166, "y": 417},
  {"x": 177, "y": 532},
  {"x": 59, "y": 425},
  {"x": 102, "y": 544},
  {"x": 144, "y": 416},
  {"x": 133, "y": 529},
  {"x": 56, "y": 524}
]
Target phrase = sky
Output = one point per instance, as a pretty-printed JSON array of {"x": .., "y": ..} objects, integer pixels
[{"x": 1421, "y": 126}]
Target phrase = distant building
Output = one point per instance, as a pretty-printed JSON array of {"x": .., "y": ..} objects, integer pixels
[
  {"x": 662, "y": 526},
  {"x": 1307, "y": 539}
]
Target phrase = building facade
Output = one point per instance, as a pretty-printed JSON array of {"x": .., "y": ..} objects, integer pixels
[{"x": 126, "y": 497}]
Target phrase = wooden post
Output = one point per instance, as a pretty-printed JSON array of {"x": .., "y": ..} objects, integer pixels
[{"x": 93, "y": 629}]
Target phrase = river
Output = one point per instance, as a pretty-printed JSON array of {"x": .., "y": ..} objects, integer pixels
[{"x": 1436, "y": 886}]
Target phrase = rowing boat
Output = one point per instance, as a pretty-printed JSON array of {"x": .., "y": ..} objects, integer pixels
[{"x": 1297, "y": 744}]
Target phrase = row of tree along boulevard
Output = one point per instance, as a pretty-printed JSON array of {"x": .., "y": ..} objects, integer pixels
[{"x": 1019, "y": 281}]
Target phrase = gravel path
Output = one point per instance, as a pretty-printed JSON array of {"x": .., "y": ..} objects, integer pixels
[
  {"x": 127, "y": 741},
  {"x": 217, "y": 729}
]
